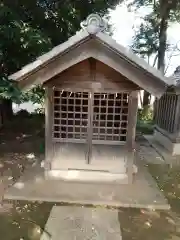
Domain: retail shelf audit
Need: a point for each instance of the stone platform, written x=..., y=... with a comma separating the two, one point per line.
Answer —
x=143, y=193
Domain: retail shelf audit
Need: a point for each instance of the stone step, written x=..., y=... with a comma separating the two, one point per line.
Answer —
x=81, y=223
x=88, y=176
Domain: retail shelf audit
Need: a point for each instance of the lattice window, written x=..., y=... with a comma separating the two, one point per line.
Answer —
x=70, y=115
x=110, y=116
x=108, y=121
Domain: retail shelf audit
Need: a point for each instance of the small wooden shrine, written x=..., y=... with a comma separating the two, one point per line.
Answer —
x=92, y=86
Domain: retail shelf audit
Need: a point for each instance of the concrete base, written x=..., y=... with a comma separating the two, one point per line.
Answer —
x=68, y=223
x=143, y=193
x=87, y=176
x=173, y=148
x=165, y=155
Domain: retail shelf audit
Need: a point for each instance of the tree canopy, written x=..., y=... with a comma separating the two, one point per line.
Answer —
x=28, y=28
x=150, y=39
x=152, y=35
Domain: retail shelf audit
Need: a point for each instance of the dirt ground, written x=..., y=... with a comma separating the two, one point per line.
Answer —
x=22, y=144
x=139, y=224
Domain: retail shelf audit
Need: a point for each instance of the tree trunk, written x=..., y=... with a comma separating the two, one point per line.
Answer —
x=162, y=45
x=147, y=96
x=164, y=16
x=6, y=109
x=146, y=99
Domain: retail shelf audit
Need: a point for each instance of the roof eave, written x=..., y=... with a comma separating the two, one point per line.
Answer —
x=44, y=60
x=163, y=83
x=136, y=60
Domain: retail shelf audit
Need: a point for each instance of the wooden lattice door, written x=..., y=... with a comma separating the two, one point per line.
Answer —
x=90, y=118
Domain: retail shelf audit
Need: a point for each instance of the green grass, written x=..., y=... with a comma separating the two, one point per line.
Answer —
x=21, y=136
x=25, y=221
x=145, y=127
x=140, y=224
x=168, y=180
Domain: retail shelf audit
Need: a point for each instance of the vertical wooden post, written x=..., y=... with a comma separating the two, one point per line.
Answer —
x=156, y=112
x=90, y=128
x=48, y=128
x=131, y=133
x=92, y=78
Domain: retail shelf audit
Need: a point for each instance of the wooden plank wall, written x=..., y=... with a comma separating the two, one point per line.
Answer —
x=167, y=112
x=79, y=76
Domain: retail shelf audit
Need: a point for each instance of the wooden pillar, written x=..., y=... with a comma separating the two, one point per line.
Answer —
x=90, y=128
x=131, y=133
x=92, y=78
x=48, y=128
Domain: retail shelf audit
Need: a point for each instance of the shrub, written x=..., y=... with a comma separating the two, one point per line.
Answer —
x=145, y=114
x=23, y=113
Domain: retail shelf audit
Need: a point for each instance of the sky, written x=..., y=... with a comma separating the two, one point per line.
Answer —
x=124, y=25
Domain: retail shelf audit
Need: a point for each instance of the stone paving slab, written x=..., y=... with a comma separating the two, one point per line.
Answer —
x=164, y=153
x=80, y=223
x=148, y=153
x=143, y=193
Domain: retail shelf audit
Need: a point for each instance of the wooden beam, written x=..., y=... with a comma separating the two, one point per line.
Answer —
x=48, y=128
x=131, y=133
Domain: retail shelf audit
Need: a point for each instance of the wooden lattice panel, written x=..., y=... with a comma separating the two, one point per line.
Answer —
x=70, y=115
x=110, y=116
x=77, y=113
x=166, y=112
